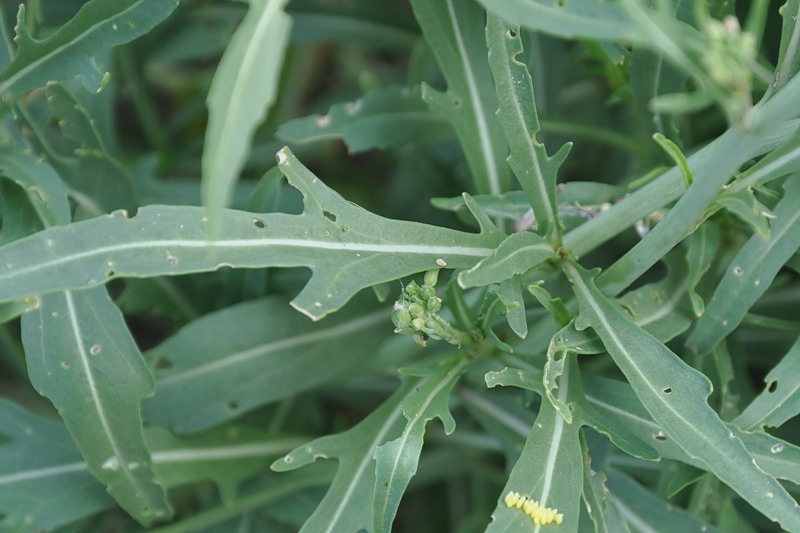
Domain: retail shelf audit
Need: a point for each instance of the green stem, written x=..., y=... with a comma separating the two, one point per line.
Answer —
x=252, y=501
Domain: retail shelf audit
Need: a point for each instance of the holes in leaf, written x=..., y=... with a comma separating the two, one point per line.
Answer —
x=512, y=34
x=667, y=390
x=260, y=223
x=456, y=102
x=330, y=216
x=232, y=405
x=659, y=436
x=772, y=387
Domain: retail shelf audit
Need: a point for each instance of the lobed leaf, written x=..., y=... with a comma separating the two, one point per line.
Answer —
x=349, y=503
x=382, y=118
x=780, y=399
x=41, y=184
x=750, y=273
x=534, y=169
x=454, y=30
x=676, y=396
x=517, y=254
x=397, y=460
x=69, y=52
x=242, y=91
x=346, y=247
x=549, y=470
x=82, y=357
x=87, y=164
x=231, y=361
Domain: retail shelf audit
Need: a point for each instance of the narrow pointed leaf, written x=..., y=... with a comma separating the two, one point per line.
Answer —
x=397, y=460
x=676, y=396
x=703, y=246
x=352, y=252
x=69, y=52
x=517, y=114
x=454, y=30
x=244, y=88
x=549, y=471
x=247, y=355
x=780, y=399
x=599, y=502
x=646, y=512
x=750, y=273
x=348, y=504
x=789, y=53
x=44, y=482
x=510, y=294
x=41, y=184
x=592, y=19
x=384, y=117
x=517, y=254
x=82, y=357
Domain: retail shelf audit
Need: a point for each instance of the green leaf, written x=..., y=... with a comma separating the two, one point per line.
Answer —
x=383, y=117
x=242, y=91
x=227, y=455
x=43, y=479
x=646, y=512
x=778, y=457
x=396, y=460
x=534, y=169
x=82, y=357
x=360, y=22
x=517, y=254
x=346, y=247
x=588, y=19
x=41, y=184
x=45, y=483
x=788, y=54
x=454, y=30
x=750, y=273
x=348, y=504
x=703, y=246
x=69, y=52
x=676, y=396
x=780, y=399
x=549, y=471
x=779, y=162
x=510, y=294
x=679, y=220
x=87, y=165
x=229, y=362
x=746, y=207
x=599, y=502
x=652, y=75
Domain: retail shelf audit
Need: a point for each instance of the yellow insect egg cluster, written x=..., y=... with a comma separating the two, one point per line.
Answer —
x=539, y=515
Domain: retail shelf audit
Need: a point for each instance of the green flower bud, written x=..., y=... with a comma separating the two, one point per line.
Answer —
x=416, y=310
x=418, y=324
x=431, y=277
x=427, y=293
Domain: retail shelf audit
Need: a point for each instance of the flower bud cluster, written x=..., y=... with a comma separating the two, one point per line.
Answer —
x=416, y=313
